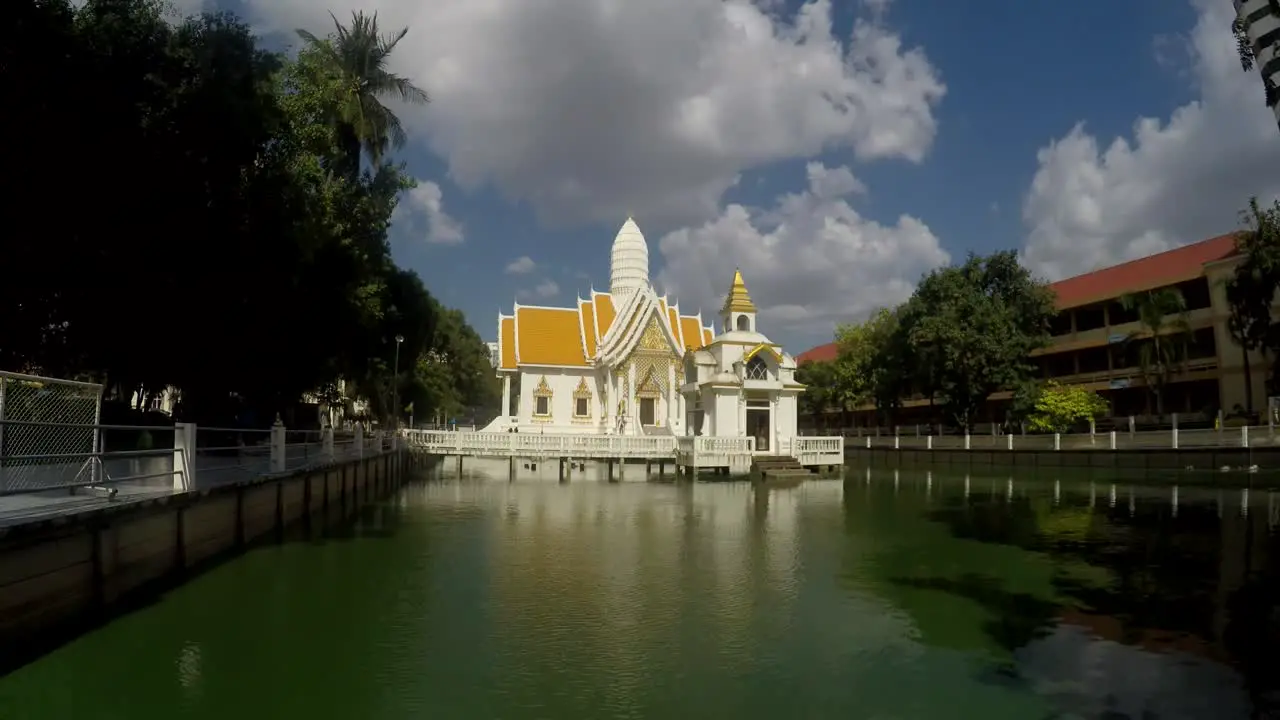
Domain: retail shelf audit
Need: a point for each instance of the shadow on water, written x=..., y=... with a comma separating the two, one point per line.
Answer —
x=373, y=520
x=1188, y=577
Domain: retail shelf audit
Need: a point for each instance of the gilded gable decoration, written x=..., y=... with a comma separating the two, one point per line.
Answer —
x=582, y=391
x=543, y=389
x=653, y=337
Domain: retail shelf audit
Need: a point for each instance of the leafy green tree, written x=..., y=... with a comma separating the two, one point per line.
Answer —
x=1162, y=337
x=351, y=64
x=1061, y=407
x=1251, y=290
x=860, y=367
x=1022, y=402
x=969, y=330
x=820, y=389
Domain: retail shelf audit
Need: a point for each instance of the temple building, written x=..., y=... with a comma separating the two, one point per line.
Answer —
x=628, y=362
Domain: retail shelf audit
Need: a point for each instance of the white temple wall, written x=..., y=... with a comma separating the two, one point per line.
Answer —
x=787, y=418
x=724, y=421
x=562, y=382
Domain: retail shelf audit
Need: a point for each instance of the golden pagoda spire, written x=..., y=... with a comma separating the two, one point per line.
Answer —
x=738, y=299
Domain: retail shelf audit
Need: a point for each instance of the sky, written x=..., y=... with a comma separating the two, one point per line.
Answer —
x=833, y=150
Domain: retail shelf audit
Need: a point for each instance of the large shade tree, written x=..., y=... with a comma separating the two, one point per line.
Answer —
x=967, y=331
x=221, y=254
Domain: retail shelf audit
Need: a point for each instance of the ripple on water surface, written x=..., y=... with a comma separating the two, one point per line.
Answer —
x=886, y=596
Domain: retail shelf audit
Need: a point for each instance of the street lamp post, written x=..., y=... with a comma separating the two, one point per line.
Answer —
x=395, y=387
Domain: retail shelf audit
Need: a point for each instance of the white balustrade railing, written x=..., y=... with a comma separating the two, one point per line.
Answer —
x=538, y=444
x=707, y=450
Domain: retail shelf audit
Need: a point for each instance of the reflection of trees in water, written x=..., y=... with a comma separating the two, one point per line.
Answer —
x=1194, y=583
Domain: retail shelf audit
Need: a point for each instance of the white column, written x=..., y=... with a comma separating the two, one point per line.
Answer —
x=671, y=395
x=775, y=443
x=506, y=395
x=630, y=399
x=610, y=404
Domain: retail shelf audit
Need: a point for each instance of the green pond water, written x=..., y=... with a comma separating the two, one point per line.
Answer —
x=883, y=595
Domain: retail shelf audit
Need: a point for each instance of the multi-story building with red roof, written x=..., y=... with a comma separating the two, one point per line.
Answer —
x=1091, y=333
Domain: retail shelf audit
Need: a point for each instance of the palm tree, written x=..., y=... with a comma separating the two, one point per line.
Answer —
x=355, y=59
x=1162, y=336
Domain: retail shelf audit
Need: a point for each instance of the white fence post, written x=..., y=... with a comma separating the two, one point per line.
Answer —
x=1244, y=436
x=1111, y=440
x=928, y=443
x=1057, y=441
x=1174, y=437
x=184, y=456
x=326, y=440
x=868, y=442
x=966, y=438
x=277, y=446
x=359, y=440
x=1008, y=441
x=895, y=441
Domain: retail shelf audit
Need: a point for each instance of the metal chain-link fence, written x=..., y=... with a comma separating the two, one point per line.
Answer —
x=48, y=432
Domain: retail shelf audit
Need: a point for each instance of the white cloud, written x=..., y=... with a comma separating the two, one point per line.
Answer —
x=544, y=290
x=589, y=109
x=810, y=261
x=521, y=266
x=1174, y=182
x=420, y=214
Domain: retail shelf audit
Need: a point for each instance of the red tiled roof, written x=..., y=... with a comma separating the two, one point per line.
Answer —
x=1153, y=271
x=822, y=353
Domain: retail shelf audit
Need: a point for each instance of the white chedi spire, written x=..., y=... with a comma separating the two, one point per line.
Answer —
x=628, y=262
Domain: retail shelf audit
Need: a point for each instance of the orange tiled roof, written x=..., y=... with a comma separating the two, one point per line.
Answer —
x=571, y=336
x=822, y=353
x=549, y=336
x=690, y=333
x=1153, y=271
x=586, y=315
x=507, y=342
x=605, y=313
x=707, y=336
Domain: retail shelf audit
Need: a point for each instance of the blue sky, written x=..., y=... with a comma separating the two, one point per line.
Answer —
x=955, y=127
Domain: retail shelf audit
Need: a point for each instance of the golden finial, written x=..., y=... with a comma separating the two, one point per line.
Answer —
x=738, y=299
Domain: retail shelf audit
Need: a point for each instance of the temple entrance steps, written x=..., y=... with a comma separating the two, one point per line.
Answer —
x=778, y=467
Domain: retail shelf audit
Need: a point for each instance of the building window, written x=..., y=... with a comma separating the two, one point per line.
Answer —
x=582, y=400
x=744, y=323
x=756, y=369
x=542, y=399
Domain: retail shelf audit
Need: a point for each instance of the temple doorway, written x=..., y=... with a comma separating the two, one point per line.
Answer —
x=648, y=411
x=760, y=426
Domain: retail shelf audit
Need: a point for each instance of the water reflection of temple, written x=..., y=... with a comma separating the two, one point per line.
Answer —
x=636, y=566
